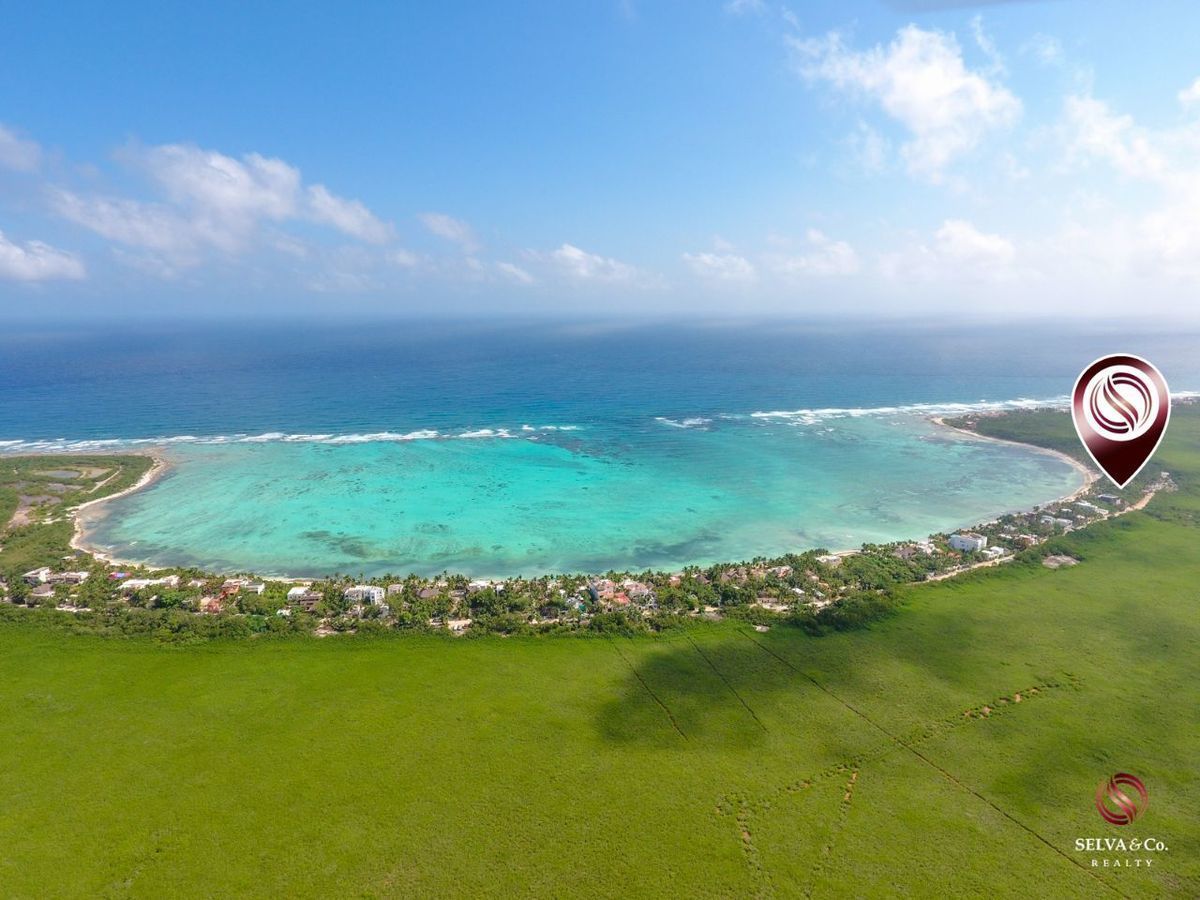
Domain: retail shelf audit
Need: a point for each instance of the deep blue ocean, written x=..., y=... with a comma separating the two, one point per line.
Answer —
x=129, y=381
x=495, y=449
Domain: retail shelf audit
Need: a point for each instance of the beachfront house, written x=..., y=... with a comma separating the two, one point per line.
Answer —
x=365, y=593
x=1056, y=522
x=37, y=576
x=968, y=542
x=137, y=584
x=68, y=578
x=237, y=585
x=304, y=597
x=602, y=589
x=210, y=606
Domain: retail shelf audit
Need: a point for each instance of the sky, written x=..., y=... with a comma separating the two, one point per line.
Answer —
x=880, y=158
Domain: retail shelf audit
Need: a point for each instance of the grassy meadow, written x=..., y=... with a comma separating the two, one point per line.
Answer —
x=950, y=750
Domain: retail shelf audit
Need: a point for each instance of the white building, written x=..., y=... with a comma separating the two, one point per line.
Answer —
x=37, y=576
x=365, y=593
x=968, y=541
x=137, y=584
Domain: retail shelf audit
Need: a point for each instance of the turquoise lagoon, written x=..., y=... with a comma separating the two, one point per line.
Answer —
x=664, y=494
x=305, y=448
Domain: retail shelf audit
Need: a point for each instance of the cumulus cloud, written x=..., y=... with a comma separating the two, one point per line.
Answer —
x=584, y=266
x=347, y=216
x=1046, y=49
x=1190, y=95
x=17, y=153
x=36, y=261
x=1093, y=131
x=208, y=202
x=450, y=229
x=515, y=273
x=743, y=7
x=921, y=81
x=148, y=226
x=823, y=257
x=960, y=241
x=727, y=267
x=958, y=252
x=1159, y=238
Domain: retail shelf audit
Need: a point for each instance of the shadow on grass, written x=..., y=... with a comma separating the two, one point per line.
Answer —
x=682, y=694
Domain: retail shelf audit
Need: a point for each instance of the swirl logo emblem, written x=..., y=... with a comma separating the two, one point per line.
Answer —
x=1121, y=406
x=1118, y=805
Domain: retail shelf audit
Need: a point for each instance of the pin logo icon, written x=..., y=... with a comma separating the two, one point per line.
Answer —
x=1121, y=407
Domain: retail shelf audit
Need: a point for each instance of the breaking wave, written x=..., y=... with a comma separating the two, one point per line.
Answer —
x=57, y=445
x=813, y=416
x=794, y=417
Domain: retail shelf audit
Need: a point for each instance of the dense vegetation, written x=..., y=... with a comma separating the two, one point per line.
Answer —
x=950, y=750
x=42, y=489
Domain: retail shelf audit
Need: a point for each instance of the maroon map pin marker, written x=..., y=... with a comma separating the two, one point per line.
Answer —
x=1121, y=407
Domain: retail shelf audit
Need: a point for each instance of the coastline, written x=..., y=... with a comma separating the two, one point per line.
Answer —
x=1090, y=476
x=81, y=514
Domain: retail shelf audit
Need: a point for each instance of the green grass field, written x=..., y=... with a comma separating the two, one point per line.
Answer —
x=714, y=762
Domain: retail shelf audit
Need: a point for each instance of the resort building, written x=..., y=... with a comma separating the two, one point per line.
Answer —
x=37, y=576
x=1057, y=522
x=304, y=597
x=236, y=585
x=137, y=584
x=968, y=541
x=365, y=593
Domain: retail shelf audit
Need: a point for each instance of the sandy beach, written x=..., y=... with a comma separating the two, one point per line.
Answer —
x=91, y=510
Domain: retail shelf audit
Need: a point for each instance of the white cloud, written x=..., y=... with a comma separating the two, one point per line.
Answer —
x=213, y=184
x=868, y=148
x=1045, y=49
x=1158, y=239
x=348, y=216
x=959, y=252
x=824, y=257
x=728, y=267
x=961, y=242
x=1190, y=95
x=921, y=81
x=405, y=259
x=987, y=46
x=584, y=266
x=18, y=154
x=149, y=226
x=1094, y=131
x=36, y=261
x=450, y=229
x=213, y=203
x=742, y=7
x=515, y=272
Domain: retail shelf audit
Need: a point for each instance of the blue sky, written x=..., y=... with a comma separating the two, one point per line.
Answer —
x=637, y=157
